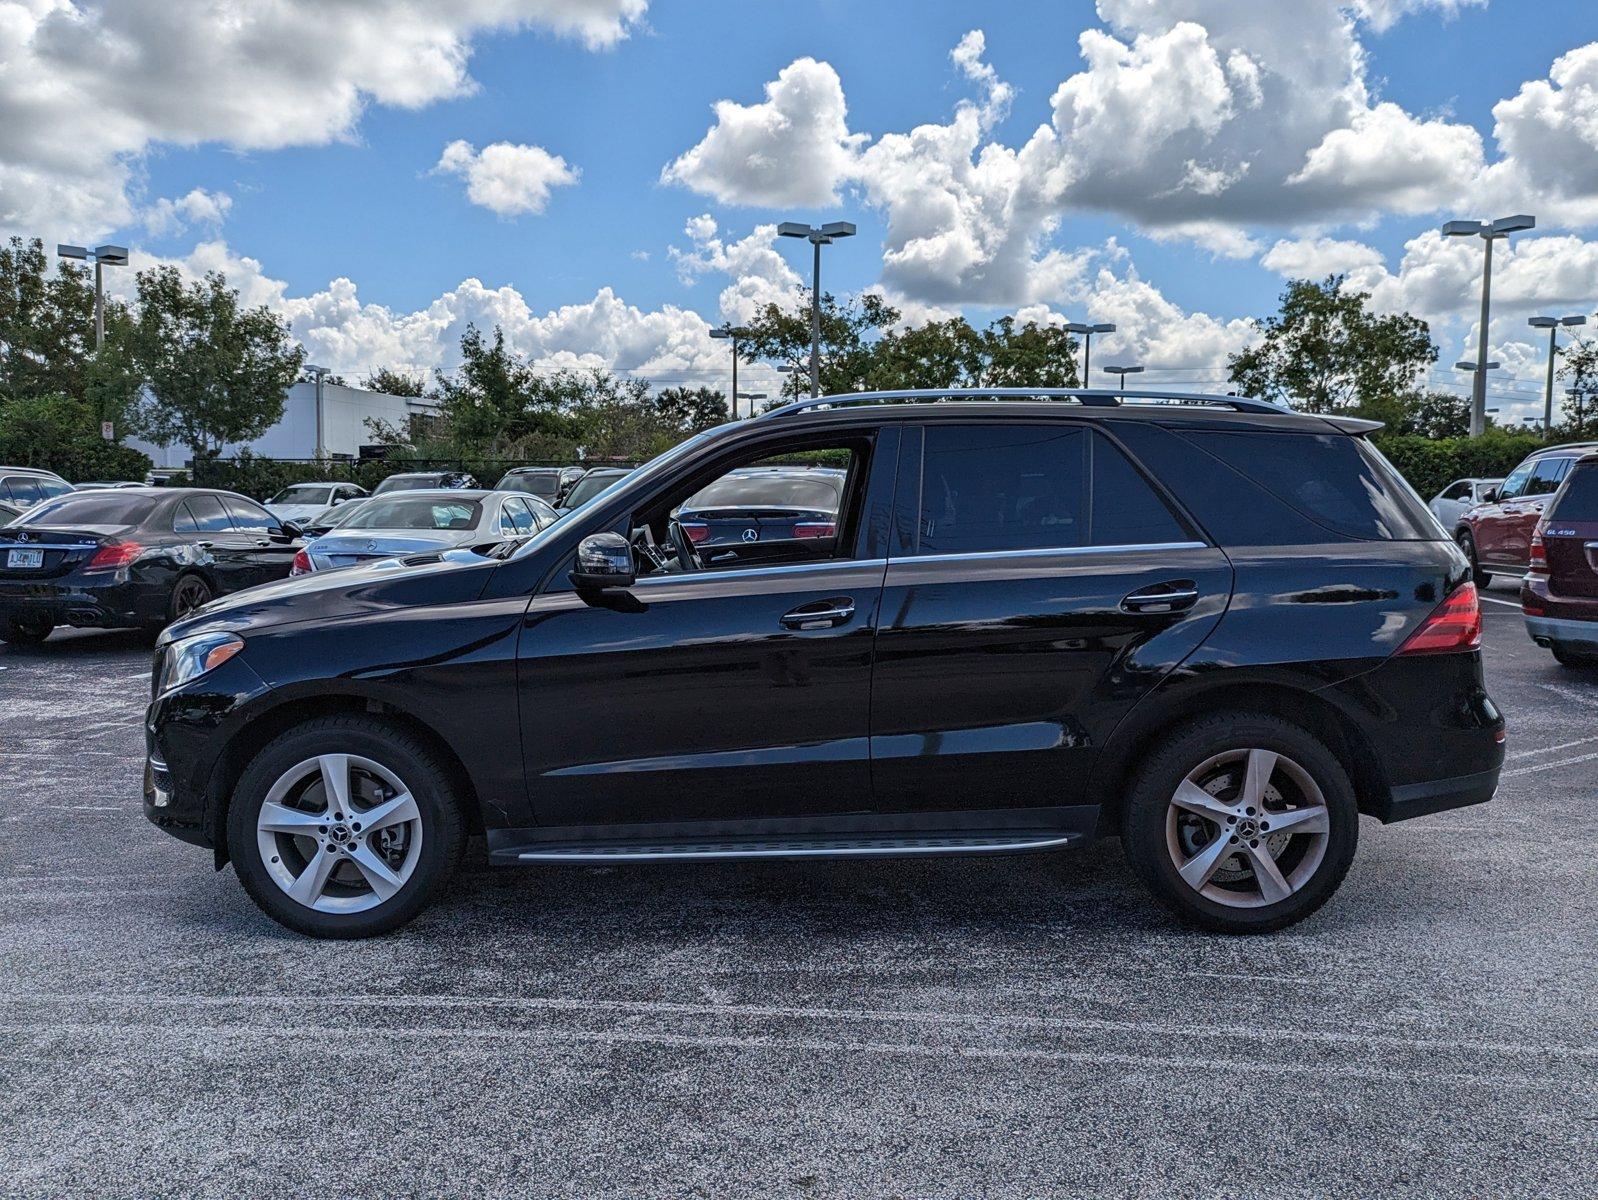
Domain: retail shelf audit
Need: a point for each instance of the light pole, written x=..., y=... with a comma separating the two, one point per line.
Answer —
x=1123, y=372
x=732, y=333
x=1489, y=232
x=318, y=374
x=1478, y=387
x=101, y=257
x=1087, y=332
x=1552, y=324
x=817, y=237
x=751, y=397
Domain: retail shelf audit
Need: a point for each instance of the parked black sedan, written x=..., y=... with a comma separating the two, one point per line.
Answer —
x=133, y=558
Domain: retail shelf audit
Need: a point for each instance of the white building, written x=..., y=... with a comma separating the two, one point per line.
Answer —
x=345, y=411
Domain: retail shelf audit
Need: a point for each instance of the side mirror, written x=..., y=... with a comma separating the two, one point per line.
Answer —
x=293, y=529
x=604, y=561
x=1490, y=496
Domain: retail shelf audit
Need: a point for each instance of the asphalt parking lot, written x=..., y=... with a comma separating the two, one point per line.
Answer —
x=987, y=1027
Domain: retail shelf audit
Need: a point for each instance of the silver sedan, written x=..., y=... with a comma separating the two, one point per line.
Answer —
x=414, y=522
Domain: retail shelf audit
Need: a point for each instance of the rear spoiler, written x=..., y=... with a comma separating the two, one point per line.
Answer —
x=1357, y=426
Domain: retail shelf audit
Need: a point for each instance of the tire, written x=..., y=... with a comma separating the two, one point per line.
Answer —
x=1305, y=786
x=26, y=631
x=188, y=593
x=1576, y=660
x=1467, y=544
x=419, y=848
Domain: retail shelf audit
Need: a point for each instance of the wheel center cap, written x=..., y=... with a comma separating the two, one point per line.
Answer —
x=1248, y=827
x=340, y=833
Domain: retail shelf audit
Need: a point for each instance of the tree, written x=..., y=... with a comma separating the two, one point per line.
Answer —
x=946, y=354
x=1437, y=415
x=394, y=383
x=1580, y=405
x=847, y=330
x=214, y=372
x=1328, y=352
x=46, y=323
x=691, y=409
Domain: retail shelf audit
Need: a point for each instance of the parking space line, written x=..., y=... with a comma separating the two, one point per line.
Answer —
x=1515, y=604
x=1570, y=694
x=1563, y=762
x=1550, y=749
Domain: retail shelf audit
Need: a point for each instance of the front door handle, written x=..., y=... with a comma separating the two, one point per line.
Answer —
x=1175, y=595
x=820, y=614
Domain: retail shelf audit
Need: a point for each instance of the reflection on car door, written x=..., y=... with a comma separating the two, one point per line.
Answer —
x=270, y=549
x=1038, y=589
x=710, y=695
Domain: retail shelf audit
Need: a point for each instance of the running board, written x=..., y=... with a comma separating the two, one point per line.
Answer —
x=1008, y=842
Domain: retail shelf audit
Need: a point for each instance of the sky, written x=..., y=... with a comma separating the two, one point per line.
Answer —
x=603, y=178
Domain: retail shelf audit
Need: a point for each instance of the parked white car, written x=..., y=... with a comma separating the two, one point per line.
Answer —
x=1458, y=498
x=300, y=501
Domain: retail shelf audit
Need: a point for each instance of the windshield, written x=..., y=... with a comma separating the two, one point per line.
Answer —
x=586, y=488
x=113, y=509
x=810, y=492
x=303, y=495
x=543, y=484
x=415, y=512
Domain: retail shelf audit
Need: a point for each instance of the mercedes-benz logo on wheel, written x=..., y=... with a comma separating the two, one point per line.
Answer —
x=751, y=535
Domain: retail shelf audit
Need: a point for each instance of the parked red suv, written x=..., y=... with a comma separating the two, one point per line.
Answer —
x=1496, y=535
x=1560, y=593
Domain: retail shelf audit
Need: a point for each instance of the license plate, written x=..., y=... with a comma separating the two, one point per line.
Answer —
x=25, y=558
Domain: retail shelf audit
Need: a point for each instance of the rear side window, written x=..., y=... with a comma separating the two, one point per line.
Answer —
x=204, y=515
x=1547, y=475
x=987, y=488
x=1579, y=500
x=1338, y=482
x=1125, y=510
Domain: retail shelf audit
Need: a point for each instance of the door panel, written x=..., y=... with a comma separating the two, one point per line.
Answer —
x=999, y=677
x=701, y=696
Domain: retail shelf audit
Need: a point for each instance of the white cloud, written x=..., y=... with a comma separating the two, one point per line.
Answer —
x=1316, y=258
x=760, y=276
x=967, y=57
x=792, y=149
x=1380, y=15
x=506, y=178
x=1391, y=160
x=86, y=88
x=198, y=207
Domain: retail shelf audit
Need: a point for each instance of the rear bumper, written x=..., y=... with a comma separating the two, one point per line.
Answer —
x=1422, y=799
x=113, y=605
x=1545, y=631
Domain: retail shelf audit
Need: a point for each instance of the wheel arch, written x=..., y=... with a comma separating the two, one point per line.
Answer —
x=1303, y=706
x=267, y=725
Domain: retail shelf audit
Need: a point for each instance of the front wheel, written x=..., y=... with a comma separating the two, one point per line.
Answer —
x=344, y=827
x=26, y=631
x=1241, y=823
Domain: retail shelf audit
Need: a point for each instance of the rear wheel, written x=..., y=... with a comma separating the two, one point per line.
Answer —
x=1241, y=823
x=188, y=594
x=26, y=631
x=344, y=827
x=1467, y=545
x=1576, y=660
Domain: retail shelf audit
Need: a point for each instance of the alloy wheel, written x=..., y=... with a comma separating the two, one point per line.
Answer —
x=339, y=833
x=191, y=593
x=1247, y=828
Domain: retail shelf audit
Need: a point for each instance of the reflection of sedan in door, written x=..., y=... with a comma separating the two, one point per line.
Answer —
x=419, y=522
x=133, y=557
x=764, y=513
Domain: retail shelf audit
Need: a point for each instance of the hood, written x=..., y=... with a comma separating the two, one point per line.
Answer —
x=294, y=512
x=447, y=577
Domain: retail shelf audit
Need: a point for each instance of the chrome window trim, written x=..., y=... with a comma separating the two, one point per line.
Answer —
x=825, y=564
x=1052, y=552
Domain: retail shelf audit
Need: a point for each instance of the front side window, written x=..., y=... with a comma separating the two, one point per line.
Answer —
x=250, y=516
x=1515, y=485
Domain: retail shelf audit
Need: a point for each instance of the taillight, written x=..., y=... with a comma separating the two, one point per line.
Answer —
x=1454, y=625
x=302, y=563
x=815, y=529
x=1538, y=564
x=695, y=531
x=114, y=555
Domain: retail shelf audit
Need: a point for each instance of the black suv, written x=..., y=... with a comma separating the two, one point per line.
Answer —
x=1217, y=628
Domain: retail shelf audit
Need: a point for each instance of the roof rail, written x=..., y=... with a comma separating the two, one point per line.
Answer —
x=1090, y=397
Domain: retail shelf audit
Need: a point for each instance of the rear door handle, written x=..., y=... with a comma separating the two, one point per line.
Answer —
x=820, y=614
x=1176, y=595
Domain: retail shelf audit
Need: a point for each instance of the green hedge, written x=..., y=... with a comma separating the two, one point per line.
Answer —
x=1432, y=464
x=84, y=459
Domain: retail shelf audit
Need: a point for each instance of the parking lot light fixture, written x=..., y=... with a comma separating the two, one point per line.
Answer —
x=732, y=333
x=318, y=374
x=1123, y=372
x=1552, y=324
x=1086, y=332
x=817, y=237
x=101, y=257
x=751, y=397
x=1489, y=232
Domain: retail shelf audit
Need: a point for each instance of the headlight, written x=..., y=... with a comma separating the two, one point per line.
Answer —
x=190, y=657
